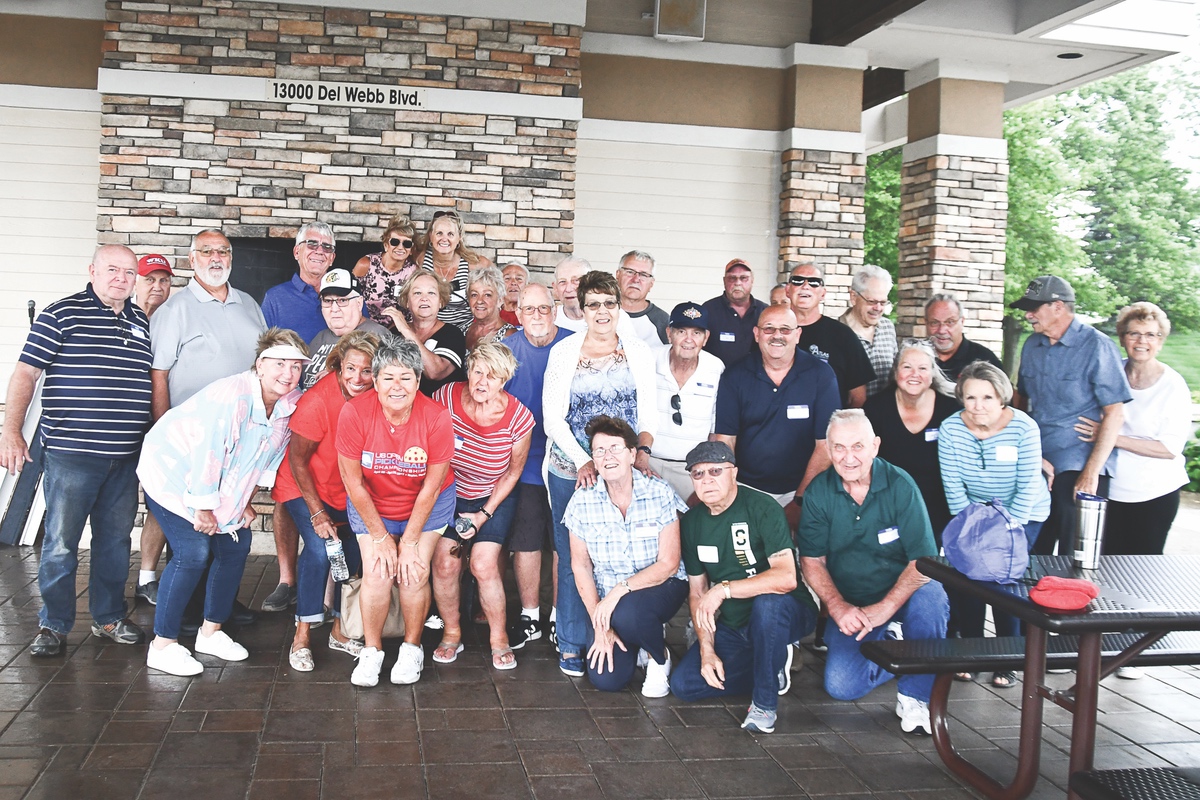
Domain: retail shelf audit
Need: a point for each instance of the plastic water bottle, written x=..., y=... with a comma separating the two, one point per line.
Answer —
x=462, y=525
x=337, y=559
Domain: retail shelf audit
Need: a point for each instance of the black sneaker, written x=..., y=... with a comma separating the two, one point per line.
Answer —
x=122, y=632
x=280, y=599
x=147, y=592
x=47, y=643
x=527, y=630
x=552, y=633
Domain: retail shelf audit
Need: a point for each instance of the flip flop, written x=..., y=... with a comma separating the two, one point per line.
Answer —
x=1004, y=680
x=500, y=662
x=301, y=660
x=454, y=648
x=965, y=677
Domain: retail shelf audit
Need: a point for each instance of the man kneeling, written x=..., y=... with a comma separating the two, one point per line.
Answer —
x=862, y=530
x=741, y=563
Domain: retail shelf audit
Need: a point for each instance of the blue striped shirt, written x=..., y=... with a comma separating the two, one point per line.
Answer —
x=1007, y=466
x=96, y=398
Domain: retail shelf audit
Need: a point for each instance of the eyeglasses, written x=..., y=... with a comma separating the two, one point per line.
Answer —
x=637, y=273
x=873, y=303
x=440, y=214
x=712, y=472
x=595, y=305
x=771, y=330
x=531, y=310
x=209, y=252
x=934, y=324
x=801, y=280
x=612, y=449
x=340, y=302
x=394, y=242
x=314, y=245
x=1138, y=336
x=677, y=404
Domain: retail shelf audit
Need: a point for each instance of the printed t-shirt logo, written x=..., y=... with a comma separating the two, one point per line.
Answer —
x=741, y=546
x=818, y=352
x=412, y=464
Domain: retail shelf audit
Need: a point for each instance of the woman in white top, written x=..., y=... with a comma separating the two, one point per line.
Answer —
x=1143, y=495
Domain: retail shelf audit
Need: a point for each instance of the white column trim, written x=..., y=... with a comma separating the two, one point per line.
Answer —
x=712, y=136
x=943, y=144
x=233, y=87
x=51, y=98
x=814, y=139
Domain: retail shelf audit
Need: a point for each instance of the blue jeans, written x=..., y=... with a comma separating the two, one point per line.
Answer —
x=849, y=676
x=78, y=487
x=496, y=529
x=312, y=568
x=571, y=623
x=752, y=655
x=190, y=552
x=638, y=620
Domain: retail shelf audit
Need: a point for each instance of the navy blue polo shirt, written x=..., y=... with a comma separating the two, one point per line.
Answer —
x=730, y=337
x=777, y=427
x=96, y=397
x=294, y=305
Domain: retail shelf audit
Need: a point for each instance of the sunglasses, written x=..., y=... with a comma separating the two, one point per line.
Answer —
x=394, y=242
x=712, y=472
x=771, y=330
x=801, y=280
x=313, y=244
x=676, y=403
x=440, y=214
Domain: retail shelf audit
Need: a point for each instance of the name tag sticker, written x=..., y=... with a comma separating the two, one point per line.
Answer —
x=797, y=412
x=645, y=532
x=726, y=336
x=459, y=442
x=1006, y=453
x=707, y=553
x=931, y=434
x=888, y=535
x=137, y=332
x=368, y=460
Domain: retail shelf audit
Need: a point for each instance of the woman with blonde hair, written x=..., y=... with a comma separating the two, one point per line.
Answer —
x=443, y=346
x=382, y=274
x=445, y=253
x=486, y=293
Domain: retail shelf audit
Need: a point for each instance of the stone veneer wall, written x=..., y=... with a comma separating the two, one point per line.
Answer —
x=171, y=166
x=953, y=216
x=822, y=217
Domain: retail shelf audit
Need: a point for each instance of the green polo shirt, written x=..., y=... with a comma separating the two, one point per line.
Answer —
x=736, y=544
x=867, y=546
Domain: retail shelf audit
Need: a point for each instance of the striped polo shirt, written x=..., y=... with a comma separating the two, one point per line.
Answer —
x=96, y=398
x=482, y=455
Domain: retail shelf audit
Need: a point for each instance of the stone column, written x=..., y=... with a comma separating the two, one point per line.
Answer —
x=954, y=199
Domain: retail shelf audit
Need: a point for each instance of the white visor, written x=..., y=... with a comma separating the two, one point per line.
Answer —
x=285, y=351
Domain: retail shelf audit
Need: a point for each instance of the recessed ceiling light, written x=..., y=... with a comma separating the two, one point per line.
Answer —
x=1070, y=56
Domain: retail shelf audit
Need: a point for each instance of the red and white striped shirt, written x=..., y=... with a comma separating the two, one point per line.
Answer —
x=482, y=454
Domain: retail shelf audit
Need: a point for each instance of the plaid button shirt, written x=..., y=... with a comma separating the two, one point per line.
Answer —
x=882, y=352
x=621, y=546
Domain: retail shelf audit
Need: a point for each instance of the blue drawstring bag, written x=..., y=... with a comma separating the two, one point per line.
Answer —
x=985, y=543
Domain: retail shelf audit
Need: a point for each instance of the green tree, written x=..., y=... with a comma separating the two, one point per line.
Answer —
x=882, y=201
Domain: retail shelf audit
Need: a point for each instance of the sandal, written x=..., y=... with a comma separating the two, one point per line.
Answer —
x=447, y=652
x=503, y=658
x=1004, y=680
x=965, y=677
x=301, y=660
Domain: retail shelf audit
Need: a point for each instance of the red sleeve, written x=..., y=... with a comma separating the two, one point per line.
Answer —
x=311, y=417
x=350, y=433
x=441, y=435
x=523, y=421
x=442, y=396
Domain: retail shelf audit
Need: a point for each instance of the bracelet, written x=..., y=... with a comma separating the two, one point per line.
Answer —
x=413, y=545
x=485, y=512
x=380, y=539
x=313, y=517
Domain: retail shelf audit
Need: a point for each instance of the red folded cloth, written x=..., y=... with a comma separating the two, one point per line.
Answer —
x=1063, y=594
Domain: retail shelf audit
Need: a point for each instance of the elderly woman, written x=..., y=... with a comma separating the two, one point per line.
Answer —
x=199, y=467
x=625, y=554
x=492, y=433
x=310, y=487
x=516, y=278
x=447, y=255
x=591, y=373
x=394, y=447
x=906, y=420
x=382, y=274
x=485, y=293
x=1143, y=496
x=992, y=450
x=441, y=344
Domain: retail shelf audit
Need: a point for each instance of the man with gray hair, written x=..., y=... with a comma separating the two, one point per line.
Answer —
x=635, y=276
x=944, y=327
x=866, y=317
x=863, y=529
x=826, y=338
x=296, y=303
x=566, y=281
x=516, y=278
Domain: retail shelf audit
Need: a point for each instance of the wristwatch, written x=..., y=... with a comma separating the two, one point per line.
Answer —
x=798, y=499
x=728, y=591
x=643, y=449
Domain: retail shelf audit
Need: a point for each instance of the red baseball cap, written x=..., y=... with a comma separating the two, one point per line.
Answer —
x=737, y=262
x=153, y=263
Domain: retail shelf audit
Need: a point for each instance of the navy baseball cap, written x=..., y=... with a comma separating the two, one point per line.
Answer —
x=689, y=315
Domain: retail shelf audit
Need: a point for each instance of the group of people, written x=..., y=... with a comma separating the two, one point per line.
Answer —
x=764, y=462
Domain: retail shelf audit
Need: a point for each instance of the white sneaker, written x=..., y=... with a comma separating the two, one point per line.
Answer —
x=366, y=671
x=174, y=659
x=658, y=678
x=913, y=714
x=785, y=674
x=1130, y=673
x=221, y=646
x=409, y=663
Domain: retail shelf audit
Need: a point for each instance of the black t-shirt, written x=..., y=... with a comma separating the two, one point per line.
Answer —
x=834, y=342
x=449, y=343
x=915, y=453
x=968, y=353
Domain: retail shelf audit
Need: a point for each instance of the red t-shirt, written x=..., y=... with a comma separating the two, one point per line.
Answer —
x=482, y=454
x=395, y=459
x=316, y=419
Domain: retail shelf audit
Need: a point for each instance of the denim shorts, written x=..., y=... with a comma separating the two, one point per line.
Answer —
x=441, y=516
x=494, y=530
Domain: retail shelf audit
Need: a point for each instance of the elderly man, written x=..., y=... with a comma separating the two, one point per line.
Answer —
x=1069, y=371
x=342, y=309
x=741, y=565
x=944, y=326
x=779, y=295
x=566, y=282
x=532, y=528
x=864, y=527
x=206, y=331
x=732, y=315
x=94, y=349
x=772, y=409
x=687, y=394
x=868, y=303
x=635, y=276
x=516, y=277
x=153, y=283
x=295, y=304
x=826, y=338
